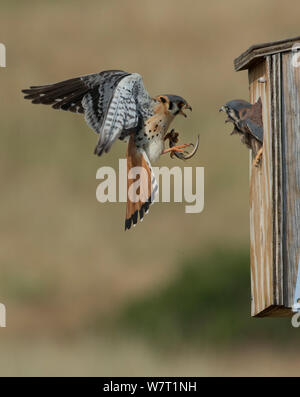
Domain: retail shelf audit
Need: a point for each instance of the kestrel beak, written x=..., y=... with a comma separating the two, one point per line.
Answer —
x=228, y=120
x=186, y=106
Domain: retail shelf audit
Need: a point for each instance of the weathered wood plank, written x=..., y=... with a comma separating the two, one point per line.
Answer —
x=274, y=67
x=291, y=172
x=261, y=228
x=266, y=196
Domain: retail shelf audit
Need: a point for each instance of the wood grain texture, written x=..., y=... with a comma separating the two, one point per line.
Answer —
x=261, y=227
x=275, y=188
x=291, y=173
x=275, y=73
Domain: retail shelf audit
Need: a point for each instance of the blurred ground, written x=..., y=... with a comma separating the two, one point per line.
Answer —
x=65, y=259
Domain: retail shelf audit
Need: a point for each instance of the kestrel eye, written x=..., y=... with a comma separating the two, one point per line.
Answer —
x=163, y=99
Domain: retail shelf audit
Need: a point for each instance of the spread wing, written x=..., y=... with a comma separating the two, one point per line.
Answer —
x=112, y=101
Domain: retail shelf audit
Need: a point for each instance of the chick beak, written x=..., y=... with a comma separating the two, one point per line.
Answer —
x=185, y=107
x=228, y=120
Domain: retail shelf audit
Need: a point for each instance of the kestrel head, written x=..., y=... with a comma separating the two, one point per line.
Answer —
x=174, y=104
x=236, y=110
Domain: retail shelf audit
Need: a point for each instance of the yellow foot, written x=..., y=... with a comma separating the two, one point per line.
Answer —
x=258, y=158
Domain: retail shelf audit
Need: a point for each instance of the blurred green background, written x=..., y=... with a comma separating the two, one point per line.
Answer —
x=172, y=296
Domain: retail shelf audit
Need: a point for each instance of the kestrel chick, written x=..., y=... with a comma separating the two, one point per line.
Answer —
x=247, y=121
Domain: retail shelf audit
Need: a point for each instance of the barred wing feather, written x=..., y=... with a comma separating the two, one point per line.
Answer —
x=125, y=109
x=95, y=89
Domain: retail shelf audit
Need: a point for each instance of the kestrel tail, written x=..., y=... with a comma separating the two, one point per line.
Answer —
x=116, y=105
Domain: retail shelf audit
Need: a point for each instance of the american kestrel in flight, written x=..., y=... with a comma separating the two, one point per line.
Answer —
x=116, y=105
x=247, y=121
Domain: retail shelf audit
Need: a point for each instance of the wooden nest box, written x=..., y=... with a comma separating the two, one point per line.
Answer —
x=274, y=76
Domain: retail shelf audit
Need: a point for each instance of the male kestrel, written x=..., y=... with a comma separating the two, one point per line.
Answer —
x=116, y=105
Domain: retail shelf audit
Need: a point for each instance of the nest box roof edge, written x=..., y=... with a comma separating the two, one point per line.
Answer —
x=258, y=51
